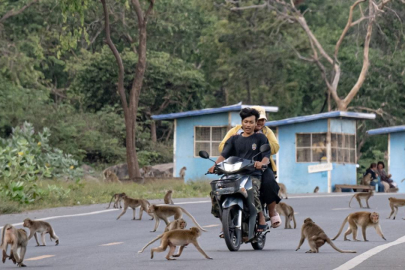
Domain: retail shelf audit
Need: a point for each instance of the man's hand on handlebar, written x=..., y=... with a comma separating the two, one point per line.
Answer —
x=259, y=165
x=211, y=170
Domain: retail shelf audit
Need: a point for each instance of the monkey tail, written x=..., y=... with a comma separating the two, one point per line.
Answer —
x=53, y=235
x=337, y=249
x=351, y=200
x=151, y=242
x=3, y=232
x=110, y=201
x=193, y=219
x=295, y=223
x=341, y=228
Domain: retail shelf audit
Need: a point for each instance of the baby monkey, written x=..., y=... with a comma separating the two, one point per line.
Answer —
x=180, y=238
x=42, y=227
x=364, y=220
x=362, y=195
x=316, y=238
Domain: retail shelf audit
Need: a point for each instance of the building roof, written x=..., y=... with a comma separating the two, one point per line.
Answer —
x=313, y=117
x=231, y=108
x=386, y=130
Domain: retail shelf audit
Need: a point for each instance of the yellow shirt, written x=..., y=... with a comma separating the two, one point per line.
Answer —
x=266, y=131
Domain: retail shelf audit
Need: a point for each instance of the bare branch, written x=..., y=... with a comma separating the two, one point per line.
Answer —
x=117, y=56
x=250, y=7
x=12, y=13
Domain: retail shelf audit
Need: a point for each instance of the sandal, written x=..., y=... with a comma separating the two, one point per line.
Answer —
x=275, y=221
x=262, y=228
x=221, y=235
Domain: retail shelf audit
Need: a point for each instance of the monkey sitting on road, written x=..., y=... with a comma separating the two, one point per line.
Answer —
x=165, y=211
x=316, y=238
x=287, y=211
x=364, y=220
x=362, y=195
x=178, y=224
x=179, y=238
x=18, y=240
x=283, y=191
x=134, y=203
x=42, y=227
x=117, y=200
x=395, y=203
x=168, y=197
x=316, y=189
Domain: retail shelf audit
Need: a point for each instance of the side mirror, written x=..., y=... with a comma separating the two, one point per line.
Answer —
x=264, y=148
x=204, y=154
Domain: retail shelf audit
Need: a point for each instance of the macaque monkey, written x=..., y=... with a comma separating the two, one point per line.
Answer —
x=117, y=200
x=110, y=176
x=316, y=238
x=287, y=211
x=165, y=211
x=179, y=238
x=183, y=172
x=362, y=195
x=395, y=203
x=316, y=189
x=18, y=240
x=366, y=179
x=178, y=224
x=283, y=190
x=364, y=220
x=168, y=197
x=42, y=227
x=134, y=203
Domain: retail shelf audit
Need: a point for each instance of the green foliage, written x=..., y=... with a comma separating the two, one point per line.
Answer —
x=25, y=157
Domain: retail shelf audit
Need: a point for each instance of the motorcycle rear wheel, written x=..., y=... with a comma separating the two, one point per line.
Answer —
x=232, y=235
x=261, y=241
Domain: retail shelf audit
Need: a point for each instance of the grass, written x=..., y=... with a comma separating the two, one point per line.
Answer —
x=85, y=193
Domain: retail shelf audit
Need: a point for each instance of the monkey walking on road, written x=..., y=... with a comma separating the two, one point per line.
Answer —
x=287, y=211
x=134, y=203
x=316, y=238
x=362, y=195
x=395, y=203
x=117, y=200
x=41, y=227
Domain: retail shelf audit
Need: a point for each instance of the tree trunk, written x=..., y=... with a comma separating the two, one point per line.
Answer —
x=153, y=131
x=249, y=96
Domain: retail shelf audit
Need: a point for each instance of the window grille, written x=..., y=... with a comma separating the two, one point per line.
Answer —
x=311, y=147
x=208, y=139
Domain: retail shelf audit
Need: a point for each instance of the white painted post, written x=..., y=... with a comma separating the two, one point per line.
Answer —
x=278, y=158
x=174, y=148
x=329, y=155
x=389, y=159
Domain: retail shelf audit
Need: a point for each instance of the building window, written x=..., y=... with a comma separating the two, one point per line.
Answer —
x=343, y=148
x=311, y=147
x=208, y=139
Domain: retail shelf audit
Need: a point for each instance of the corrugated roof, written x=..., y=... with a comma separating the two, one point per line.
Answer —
x=386, y=130
x=231, y=108
x=313, y=117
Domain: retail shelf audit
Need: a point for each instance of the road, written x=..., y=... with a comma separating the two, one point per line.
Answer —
x=92, y=238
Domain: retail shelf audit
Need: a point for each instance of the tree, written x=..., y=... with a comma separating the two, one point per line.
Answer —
x=288, y=11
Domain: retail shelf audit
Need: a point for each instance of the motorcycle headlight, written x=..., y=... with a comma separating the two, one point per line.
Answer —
x=232, y=167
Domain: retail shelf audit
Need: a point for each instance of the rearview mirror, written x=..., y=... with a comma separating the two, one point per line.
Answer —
x=264, y=148
x=204, y=154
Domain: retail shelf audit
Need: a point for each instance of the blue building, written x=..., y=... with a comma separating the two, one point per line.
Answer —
x=396, y=152
x=201, y=130
x=317, y=150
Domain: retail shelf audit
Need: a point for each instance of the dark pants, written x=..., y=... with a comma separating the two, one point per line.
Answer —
x=269, y=188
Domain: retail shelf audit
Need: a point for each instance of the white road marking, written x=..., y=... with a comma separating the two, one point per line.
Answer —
x=213, y=225
x=340, y=208
x=362, y=257
x=39, y=258
x=193, y=202
x=111, y=244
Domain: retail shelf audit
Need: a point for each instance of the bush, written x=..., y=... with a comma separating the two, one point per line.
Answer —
x=25, y=157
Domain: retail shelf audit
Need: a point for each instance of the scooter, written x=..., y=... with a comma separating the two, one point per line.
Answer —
x=234, y=195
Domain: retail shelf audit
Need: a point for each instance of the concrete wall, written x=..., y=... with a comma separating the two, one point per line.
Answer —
x=295, y=175
x=397, y=158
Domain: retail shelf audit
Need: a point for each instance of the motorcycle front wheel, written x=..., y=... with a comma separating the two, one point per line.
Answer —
x=232, y=234
x=259, y=244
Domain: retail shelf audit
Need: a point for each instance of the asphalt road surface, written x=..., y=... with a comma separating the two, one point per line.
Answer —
x=92, y=238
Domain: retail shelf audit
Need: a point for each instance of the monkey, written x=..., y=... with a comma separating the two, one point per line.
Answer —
x=183, y=172
x=363, y=219
x=287, y=211
x=362, y=195
x=165, y=211
x=42, y=227
x=168, y=197
x=117, y=200
x=316, y=238
x=17, y=238
x=366, y=179
x=282, y=191
x=179, y=238
x=110, y=176
x=395, y=203
x=316, y=189
x=178, y=224
x=134, y=203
